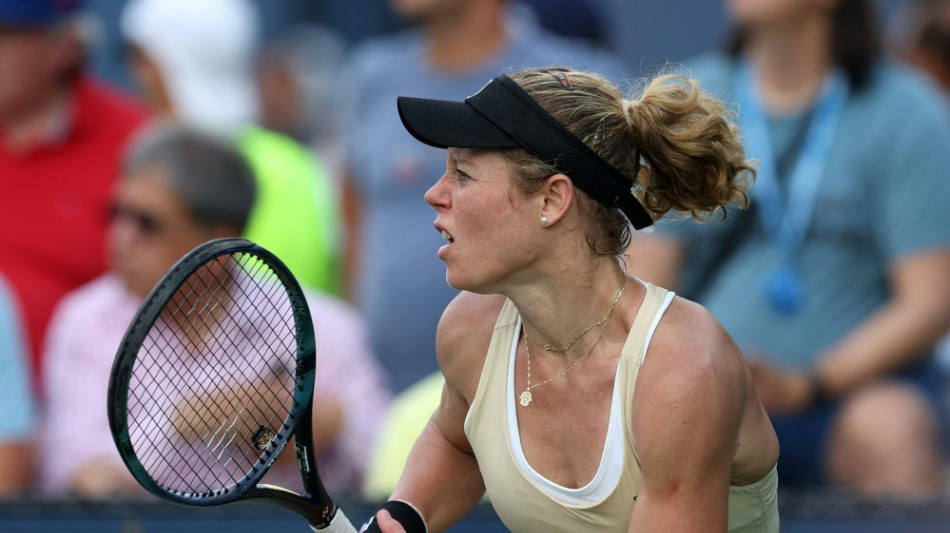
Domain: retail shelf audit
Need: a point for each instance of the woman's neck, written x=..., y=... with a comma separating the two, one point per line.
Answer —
x=555, y=310
x=791, y=60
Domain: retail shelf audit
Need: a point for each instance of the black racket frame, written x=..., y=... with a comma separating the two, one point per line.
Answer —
x=315, y=503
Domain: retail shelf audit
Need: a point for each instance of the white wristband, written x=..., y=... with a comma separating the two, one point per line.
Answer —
x=339, y=524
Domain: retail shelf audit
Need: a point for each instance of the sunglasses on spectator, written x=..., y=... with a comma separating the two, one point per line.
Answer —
x=145, y=223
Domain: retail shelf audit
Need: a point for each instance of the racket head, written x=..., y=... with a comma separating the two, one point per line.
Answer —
x=214, y=376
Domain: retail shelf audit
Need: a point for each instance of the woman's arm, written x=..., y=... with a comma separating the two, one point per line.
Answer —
x=441, y=478
x=690, y=399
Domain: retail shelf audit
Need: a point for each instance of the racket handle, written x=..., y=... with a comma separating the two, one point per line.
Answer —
x=339, y=524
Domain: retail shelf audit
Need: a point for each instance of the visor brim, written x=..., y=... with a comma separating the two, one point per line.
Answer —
x=445, y=124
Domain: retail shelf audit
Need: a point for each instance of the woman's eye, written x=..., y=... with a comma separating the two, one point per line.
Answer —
x=462, y=176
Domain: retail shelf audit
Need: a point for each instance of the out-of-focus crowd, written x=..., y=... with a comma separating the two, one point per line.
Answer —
x=835, y=282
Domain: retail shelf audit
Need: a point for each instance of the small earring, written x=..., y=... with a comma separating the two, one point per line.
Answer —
x=544, y=221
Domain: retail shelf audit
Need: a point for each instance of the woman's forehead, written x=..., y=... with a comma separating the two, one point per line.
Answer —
x=475, y=156
x=462, y=154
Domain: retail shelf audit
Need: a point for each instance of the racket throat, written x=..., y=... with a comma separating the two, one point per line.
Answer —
x=319, y=515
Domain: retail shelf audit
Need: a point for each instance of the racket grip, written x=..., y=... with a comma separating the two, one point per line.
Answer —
x=339, y=524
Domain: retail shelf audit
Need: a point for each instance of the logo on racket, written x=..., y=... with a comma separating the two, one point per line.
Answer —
x=262, y=437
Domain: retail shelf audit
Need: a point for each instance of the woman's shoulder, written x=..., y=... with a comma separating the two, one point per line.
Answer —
x=464, y=334
x=468, y=320
x=690, y=345
x=693, y=381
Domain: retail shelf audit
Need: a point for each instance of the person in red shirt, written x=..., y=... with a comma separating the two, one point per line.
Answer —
x=61, y=134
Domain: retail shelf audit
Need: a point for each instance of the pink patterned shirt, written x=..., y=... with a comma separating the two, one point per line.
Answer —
x=85, y=334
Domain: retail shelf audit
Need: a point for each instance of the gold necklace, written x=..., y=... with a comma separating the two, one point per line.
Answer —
x=600, y=322
x=525, y=398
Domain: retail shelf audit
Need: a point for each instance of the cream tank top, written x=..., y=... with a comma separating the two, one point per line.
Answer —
x=526, y=501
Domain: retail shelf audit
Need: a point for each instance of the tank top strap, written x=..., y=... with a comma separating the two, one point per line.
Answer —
x=492, y=381
x=651, y=310
x=644, y=323
x=508, y=315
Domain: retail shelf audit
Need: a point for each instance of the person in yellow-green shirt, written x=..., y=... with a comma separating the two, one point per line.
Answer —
x=209, y=84
x=295, y=215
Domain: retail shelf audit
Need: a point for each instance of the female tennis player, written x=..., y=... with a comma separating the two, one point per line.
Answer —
x=579, y=397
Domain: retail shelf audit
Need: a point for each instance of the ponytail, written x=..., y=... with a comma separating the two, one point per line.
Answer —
x=695, y=160
x=675, y=144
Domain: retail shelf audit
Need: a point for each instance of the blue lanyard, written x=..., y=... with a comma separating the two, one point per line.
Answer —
x=786, y=221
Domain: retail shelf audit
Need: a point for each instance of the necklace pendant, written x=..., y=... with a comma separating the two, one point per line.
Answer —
x=525, y=398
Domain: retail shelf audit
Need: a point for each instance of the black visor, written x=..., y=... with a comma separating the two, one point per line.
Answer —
x=503, y=115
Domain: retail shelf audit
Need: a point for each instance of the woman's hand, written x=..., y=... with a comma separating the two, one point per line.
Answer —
x=387, y=524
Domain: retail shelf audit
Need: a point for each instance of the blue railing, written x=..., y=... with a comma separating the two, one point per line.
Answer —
x=801, y=513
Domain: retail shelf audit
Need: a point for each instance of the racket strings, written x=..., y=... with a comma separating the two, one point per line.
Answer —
x=157, y=453
x=214, y=377
x=221, y=437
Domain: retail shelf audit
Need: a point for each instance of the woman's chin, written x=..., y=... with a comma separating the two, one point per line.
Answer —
x=467, y=284
x=457, y=280
x=453, y=281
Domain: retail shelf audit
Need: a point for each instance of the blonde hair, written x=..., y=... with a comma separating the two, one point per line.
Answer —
x=692, y=159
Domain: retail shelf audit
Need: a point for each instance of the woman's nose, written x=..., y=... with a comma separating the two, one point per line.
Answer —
x=436, y=196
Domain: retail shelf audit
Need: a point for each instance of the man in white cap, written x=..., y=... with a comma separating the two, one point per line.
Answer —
x=196, y=65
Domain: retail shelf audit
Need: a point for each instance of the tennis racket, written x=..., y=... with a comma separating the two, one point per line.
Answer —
x=214, y=378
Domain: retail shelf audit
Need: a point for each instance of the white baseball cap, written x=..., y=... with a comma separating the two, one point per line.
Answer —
x=205, y=50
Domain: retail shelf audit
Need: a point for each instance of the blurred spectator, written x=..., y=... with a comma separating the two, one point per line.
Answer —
x=298, y=75
x=196, y=65
x=17, y=418
x=919, y=32
x=455, y=48
x=835, y=281
x=179, y=189
x=574, y=19
x=60, y=134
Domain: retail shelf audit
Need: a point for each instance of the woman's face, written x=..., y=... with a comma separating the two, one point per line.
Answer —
x=485, y=219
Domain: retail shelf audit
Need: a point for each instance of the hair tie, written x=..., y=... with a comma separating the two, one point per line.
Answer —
x=628, y=107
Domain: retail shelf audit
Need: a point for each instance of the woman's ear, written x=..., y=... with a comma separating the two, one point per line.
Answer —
x=557, y=196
